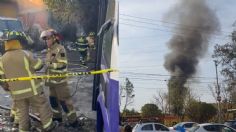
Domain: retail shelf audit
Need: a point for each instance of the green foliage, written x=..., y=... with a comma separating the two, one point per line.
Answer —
x=128, y=90
x=200, y=111
x=76, y=13
x=131, y=112
x=226, y=57
x=129, y=87
x=150, y=110
x=177, y=95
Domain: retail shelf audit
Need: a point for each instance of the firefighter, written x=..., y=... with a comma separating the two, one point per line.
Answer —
x=91, y=44
x=56, y=61
x=14, y=115
x=20, y=63
x=83, y=49
x=91, y=40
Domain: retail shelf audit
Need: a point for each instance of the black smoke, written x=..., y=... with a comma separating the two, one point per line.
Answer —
x=195, y=24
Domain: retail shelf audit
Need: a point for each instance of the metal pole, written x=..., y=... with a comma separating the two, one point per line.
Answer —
x=218, y=93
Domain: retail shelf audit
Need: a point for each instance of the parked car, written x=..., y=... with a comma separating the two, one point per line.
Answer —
x=150, y=127
x=211, y=127
x=184, y=125
x=231, y=123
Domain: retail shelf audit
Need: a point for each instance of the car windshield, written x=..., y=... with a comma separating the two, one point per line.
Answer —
x=11, y=25
x=14, y=25
x=194, y=128
x=2, y=25
x=136, y=126
x=176, y=125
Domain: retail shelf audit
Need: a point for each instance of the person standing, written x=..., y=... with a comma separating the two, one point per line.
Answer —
x=59, y=93
x=83, y=47
x=17, y=63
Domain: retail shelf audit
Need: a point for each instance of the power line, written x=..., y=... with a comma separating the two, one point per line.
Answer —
x=152, y=74
x=156, y=79
x=154, y=24
x=150, y=66
x=179, y=34
x=173, y=23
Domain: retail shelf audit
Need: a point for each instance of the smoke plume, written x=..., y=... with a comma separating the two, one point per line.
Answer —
x=196, y=23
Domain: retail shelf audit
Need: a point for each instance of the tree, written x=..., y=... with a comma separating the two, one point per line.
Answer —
x=200, y=111
x=67, y=16
x=226, y=56
x=150, y=110
x=131, y=112
x=162, y=101
x=127, y=91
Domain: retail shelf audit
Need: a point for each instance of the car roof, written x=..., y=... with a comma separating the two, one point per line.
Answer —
x=231, y=121
x=8, y=18
x=206, y=124
x=149, y=123
x=182, y=123
x=188, y=122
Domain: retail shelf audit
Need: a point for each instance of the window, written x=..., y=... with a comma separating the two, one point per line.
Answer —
x=194, y=128
x=188, y=125
x=2, y=25
x=210, y=128
x=161, y=127
x=147, y=127
x=14, y=25
x=218, y=128
x=225, y=129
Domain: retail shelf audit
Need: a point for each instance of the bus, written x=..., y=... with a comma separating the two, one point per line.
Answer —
x=106, y=86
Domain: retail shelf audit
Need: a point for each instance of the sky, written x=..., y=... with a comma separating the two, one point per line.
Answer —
x=143, y=38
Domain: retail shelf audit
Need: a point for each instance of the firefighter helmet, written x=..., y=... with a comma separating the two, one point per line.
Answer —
x=91, y=34
x=14, y=35
x=48, y=33
x=81, y=39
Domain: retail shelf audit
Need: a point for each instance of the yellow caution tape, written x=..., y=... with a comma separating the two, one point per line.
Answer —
x=70, y=74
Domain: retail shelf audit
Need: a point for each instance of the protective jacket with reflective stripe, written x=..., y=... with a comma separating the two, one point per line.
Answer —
x=56, y=61
x=82, y=46
x=20, y=63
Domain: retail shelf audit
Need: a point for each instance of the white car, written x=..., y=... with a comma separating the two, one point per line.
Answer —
x=211, y=127
x=185, y=125
x=150, y=127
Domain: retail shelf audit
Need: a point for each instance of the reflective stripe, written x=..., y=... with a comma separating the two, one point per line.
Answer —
x=23, y=131
x=48, y=124
x=38, y=64
x=58, y=50
x=16, y=92
x=11, y=33
x=82, y=49
x=1, y=72
x=13, y=112
x=81, y=44
x=54, y=65
x=55, y=111
x=62, y=61
x=59, y=71
x=72, y=112
x=56, y=82
x=26, y=62
x=1, y=66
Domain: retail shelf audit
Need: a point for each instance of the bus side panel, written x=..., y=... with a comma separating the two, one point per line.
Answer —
x=114, y=108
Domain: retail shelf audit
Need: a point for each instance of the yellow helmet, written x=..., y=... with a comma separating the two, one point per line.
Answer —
x=15, y=35
x=91, y=34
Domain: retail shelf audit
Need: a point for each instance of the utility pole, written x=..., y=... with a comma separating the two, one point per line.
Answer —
x=218, y=93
